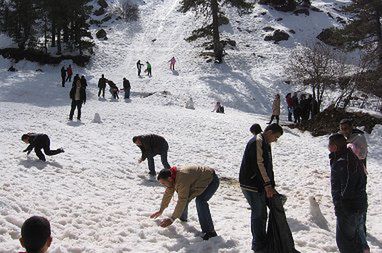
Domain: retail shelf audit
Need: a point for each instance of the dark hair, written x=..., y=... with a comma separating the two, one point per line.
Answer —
x=275, y=128
x=135, y=138
x=347, y=122
x=338, y=140
x=255, y=129
x=164, y=174
x=24, y=137
x=35, y=232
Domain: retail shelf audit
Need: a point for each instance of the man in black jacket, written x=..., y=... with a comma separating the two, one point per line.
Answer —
x=78, y=96
x=102, y=86
x=152, y=145
x=257, y=181
x=348, y=182
x=38, y=142
x=126, y=88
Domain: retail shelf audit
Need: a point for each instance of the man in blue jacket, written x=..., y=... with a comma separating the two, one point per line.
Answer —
x=257, y=181
x=348, y=183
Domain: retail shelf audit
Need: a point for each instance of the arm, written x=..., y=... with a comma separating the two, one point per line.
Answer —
x=144, y=156
x=183, y=194
x=335, y=181
x=260, y=163
x=166, y=198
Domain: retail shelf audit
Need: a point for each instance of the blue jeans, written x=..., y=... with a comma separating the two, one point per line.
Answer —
x=257, y=201
x=202, y=207
x=362, y=232
x=127, y=93
x=348, y=231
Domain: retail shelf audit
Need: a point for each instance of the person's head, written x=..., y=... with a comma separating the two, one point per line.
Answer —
x=137, y=140
x=302, y=96
x=346, y=127
x=25, y=138
x=273, y=132
x=36, y=235
x=164, y=177
x=218, y=103
x=288, y=95
x=82, y=77
x=255, y=129
x=337, y=143
x=124, y=78
x=277, y=96
x=102, y=76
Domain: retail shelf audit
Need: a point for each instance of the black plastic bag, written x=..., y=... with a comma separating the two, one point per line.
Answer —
x=279, y=236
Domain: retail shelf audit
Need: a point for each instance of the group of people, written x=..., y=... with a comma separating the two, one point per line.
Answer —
x=348, y=152
x=114, y=90
x=302, y=109
x=66, y=74
x=148, y=69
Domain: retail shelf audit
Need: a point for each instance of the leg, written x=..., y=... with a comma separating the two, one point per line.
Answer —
x=258, y=218
x=150, y=161
x=47, y=149
x=39, y=154
x=99, y=92
x=277, y=119
x=103, y=92
x=79, y=105
x=273, y=116
x=362, y=232
x=347, y=234
x=73, y=107
x=163, y=158
x=203, y=208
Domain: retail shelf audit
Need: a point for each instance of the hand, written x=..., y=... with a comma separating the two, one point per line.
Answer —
x=269, y=191
x=156, y=215
x=166, y=222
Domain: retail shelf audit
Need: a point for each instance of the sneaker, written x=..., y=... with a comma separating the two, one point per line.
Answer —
x=209, y=235
x=61, y=150
x=152, y=174
x=183, y=220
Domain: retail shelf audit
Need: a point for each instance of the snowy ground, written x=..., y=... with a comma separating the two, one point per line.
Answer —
x=98, y=198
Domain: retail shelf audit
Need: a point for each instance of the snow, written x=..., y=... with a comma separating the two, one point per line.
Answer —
x=98, y=198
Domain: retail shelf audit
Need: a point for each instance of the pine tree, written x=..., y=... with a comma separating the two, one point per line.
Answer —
x=365, y=28
x=212, y=8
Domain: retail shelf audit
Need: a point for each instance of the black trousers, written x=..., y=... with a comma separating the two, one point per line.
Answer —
x=69, y=78
x=78, y=104
x=63, y=80
x=277, y=119
x=46, y=147
x=103, y=92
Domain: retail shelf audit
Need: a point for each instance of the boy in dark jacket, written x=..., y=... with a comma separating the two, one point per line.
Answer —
x=256, y=180
x=102, y=86
x=63, y=75
x=348, y=183
x=152, y=145
x=78, y=96
x=38, y=142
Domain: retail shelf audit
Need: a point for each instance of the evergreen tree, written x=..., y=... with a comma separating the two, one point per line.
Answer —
x=212, y=8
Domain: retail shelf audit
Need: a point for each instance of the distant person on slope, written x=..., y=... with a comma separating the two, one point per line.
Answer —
x=296, y=108
x=69, y=73
x=83, y=81
x=148, y=69
x=38, y=142
x=113, y=89
x=199, y=182
x=36, y=235
x=126, y=88
x=152, y=145
x=78, y=96
x=289, y=101
x=102, y=86
x=63, y=75
x=172, y=63
x=275, y=109
x=76, y=77
x=139, y=67
x=218, y=108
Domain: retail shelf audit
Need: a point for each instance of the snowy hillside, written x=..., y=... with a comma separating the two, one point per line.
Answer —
x=98, y=198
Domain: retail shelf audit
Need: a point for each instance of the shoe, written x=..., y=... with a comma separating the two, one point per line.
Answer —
x=61, y=150
x=183, y=220
x=209, y=235
x=152, y=174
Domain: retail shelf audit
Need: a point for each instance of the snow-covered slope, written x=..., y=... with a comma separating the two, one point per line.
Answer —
x=98, y=198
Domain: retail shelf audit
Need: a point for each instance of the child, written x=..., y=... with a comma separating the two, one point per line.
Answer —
x=38, y=142
x=36, y=235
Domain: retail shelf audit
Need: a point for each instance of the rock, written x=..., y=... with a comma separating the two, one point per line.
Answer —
x=103, y=3
x=99, y=12
x=107, y=18
x=228, y=42
x=190, y=104
x=277, y=36
x=341, y=20
x=315, y=9
x=263, y=13
x=292, y=31
x=330, y=15
x=247, y=45
x=209, y=60
x=329, y=37
x=239, y=29
x=301, y=11
x=268, y=29
x=101, y=34
x=39, y=70
x=153, y=40
x=279, y=19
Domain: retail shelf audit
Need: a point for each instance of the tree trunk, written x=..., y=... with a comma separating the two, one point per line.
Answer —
x=53, y=33
x=218, y=48
x=66, y=34
x=379, y=36
x=59, y=41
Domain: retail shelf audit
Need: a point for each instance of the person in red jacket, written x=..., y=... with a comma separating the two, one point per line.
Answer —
x=69, y=72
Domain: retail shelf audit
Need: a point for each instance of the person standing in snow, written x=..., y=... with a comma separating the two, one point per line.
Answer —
x=76, y=77
x=296, y=109
x=289, y=101
x=275, y=109
x=152, y=145
x=218, y=108
x=63, y=75
x=83, y=81
x=38, y=142
x=102, y=86
x=69, y=72
x=257, y=182
x=348, y=186
x=148, y=69
x=199, y=182
x=172, y=63
x=139, y=67
x=78, y=96
x=126, y=88
x=36, y=235
x=113, y=89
